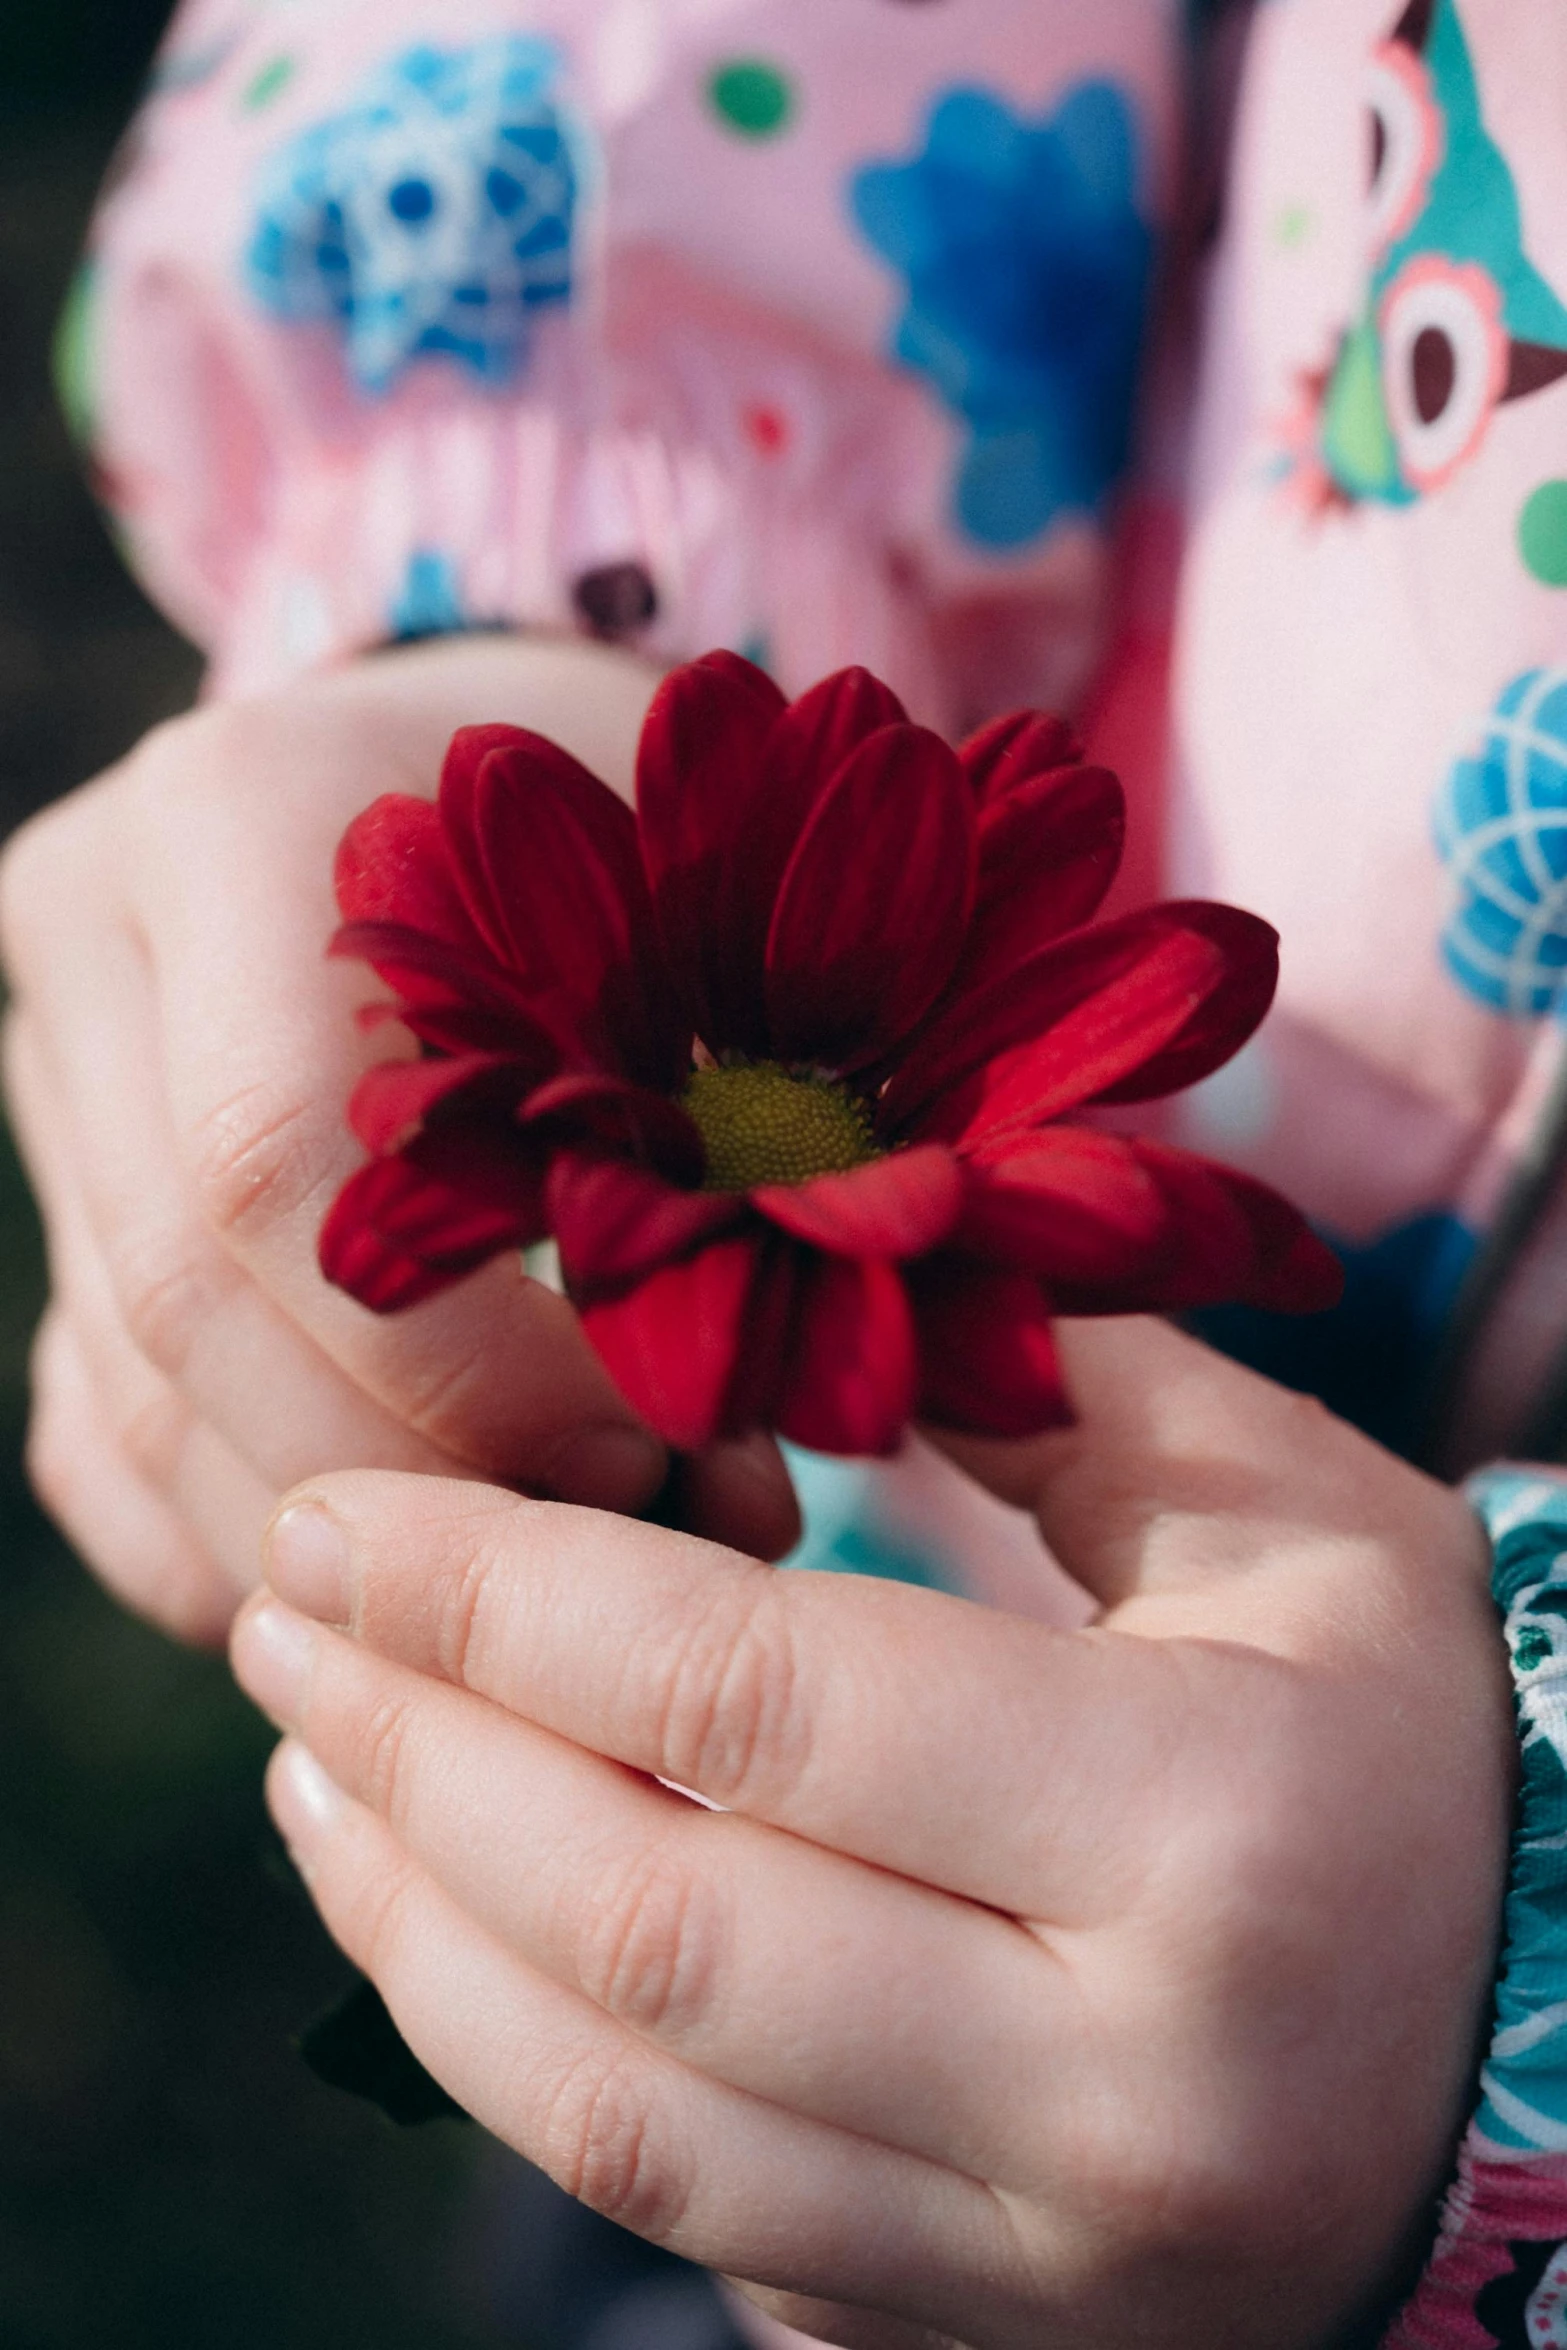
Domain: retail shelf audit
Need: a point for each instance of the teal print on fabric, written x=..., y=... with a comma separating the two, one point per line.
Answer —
x=1501, y=827
x=1026, y=263
x=432, y=218
x=1523, y=2104
x=430, y=602
x=1456, y=318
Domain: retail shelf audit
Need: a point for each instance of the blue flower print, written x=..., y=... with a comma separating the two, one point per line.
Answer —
x=1027, y=264
x=432, y=216
x=1501, y=825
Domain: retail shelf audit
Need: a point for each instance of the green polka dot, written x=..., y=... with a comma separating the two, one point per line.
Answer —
x=75, y=359
x=1542, y=533
x=1292, y=224
x=752, y=97
x=270, y=83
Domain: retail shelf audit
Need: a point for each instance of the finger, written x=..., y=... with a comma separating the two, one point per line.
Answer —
x=496, y=1372
x=739, y=1494
x=120, y=1193
x=714, y=2174
x=779, y=2321
x=1046, y=1763
x=130, y=1537
x=757, y=1958
x=233, y=1170
x=1184, y=1469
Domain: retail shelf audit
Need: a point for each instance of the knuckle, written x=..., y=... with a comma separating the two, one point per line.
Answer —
x=1189, y=2184
x=151, y=1430
x=252, y=1161
x=650, y=1945
x=374, y=1916
x=382, y=1743
x=165, y=1283
x=601, y=2143
x=734, y=1721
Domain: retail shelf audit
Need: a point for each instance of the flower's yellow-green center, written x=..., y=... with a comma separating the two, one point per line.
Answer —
x=760, y=1125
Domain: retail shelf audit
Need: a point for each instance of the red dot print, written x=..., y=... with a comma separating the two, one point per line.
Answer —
x=767, y=429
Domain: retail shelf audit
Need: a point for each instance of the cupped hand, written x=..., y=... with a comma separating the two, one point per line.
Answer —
x=1031, y=1987
x=179, y=1054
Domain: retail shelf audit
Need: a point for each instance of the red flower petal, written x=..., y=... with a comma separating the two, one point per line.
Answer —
x=1069, y=1204
x=605, y=1114
x=457, y=1002
x=1012, y=750
x=700, y=773
x=564, y=872
x=673, y=1345
x=391, y=1102
x=874, y=907
x=851, y=1383
x=1122, y=1012
x=722, y=800
x=1047, y=855
x=618, y=1224
x=459, y=800
x=899, y=1206
x=1122, y=1226
x=987, y=1359
x=393, y=865
x=405, y=1227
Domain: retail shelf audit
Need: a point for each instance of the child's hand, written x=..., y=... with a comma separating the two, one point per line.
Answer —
x=1036, y=1988
x=179, y=1059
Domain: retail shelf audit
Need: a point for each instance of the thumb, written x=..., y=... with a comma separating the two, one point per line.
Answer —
x=1183, y=1468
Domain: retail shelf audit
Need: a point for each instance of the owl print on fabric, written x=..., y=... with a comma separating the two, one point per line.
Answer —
x=1456, y=320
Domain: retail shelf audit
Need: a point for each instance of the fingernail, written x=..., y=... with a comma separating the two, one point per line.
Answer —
x=303, y=1787
x=306, y=1562
x=273, y=1653
x=607, y=1467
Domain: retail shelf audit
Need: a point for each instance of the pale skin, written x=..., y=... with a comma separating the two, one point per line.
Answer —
x=1032, y=1987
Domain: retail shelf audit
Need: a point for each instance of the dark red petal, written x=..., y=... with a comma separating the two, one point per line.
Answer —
x=899, y=1206
x=1127, y=1010
x=852, y=1376
x=1230, y=1240
x=722, y=806
x=673, y=1345
x=987, y=1360
x=700, y=773
x=826, y=726
x=594, y=1114
x=407, y=1226
x=874, y=907
x=459, y=796
x=1047, y=855
x=392, y=1100
x=393, y=865
x=1120, y=1226
x=564, y=869
x=461, y=1003
x=617, y=1224
x=1071, y=1204
x=1011, y=750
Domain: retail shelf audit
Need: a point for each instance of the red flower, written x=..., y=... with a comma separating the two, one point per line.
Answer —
x=787, y=1061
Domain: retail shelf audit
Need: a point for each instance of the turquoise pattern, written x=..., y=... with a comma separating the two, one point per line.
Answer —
x=1523, y=2106
x=434, y=217
x=1501, y=825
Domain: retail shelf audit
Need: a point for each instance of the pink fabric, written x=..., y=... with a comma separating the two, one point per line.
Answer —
x=715, y=404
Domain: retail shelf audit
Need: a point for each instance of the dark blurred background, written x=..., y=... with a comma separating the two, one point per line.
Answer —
x=170, y=2175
